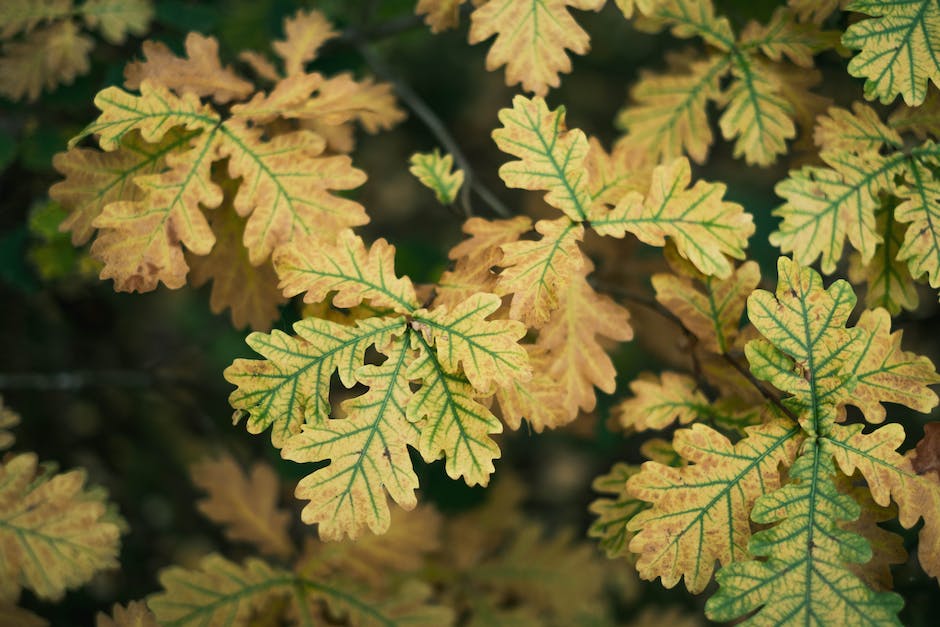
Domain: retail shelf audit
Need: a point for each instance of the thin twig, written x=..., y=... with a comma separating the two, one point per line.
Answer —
x=430, y=119
x=75, y=380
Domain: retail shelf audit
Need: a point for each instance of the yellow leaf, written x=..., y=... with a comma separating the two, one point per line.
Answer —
x=219, y=592
x=614, y=514
x=201, y=73
x=291, y=386
x=118, y=18
x=475, y=257
x=701, y=512
x=784, y=36
x=891, y=476
x=571, y=337
x=888, y=278
x=815, y=10
x=287, y=187
x=94, y=179
x=690, y=18
x=304, y=33
x=135, y=614
x=920, y=209
x=435, y=172
x=921, y=120
x=538, y=401
x=486, y=351
x=8, y=420
x=367, y=450
x=452, y=420
x=153, y=113
x=440, y=15
x=656, y=404
x=669, y=116
x=250, y=291
x=611, y=175
x=49, y=56
x=24, y=15
x=756, y=116
x=347, y=270
x=54, y=532
x=531, y=39
x=551, y=158
x=806, y=577
x=899, y=48
x=705, y=228
x=886, y=373
x=140, y=243
x=860, y=130
x=807, y=347
x=246, y=505
x=713, y=313
x=537, y=272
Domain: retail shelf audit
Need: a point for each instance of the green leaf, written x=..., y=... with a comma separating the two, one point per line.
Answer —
x=434, y=172
x=804, y=578
x=899, y=48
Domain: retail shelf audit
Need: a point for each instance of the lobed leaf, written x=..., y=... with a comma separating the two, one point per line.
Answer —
x=434, y=172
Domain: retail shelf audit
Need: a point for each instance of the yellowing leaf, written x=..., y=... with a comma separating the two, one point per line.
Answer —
x=153, y=113
x=756, y=115
x=304, y=33
x=921, y=210
x=54, y=532
x=246, y=505
x=806, y=576
x=367, y=450
x=614, y=514
x=487, y=351
x=118, y=18
x=656, y=404
x=440, y=15
x=8, y=420
x=434, y=172
x=220, y=591
x=475, y=258
x=551, y=158
x=572, y=335
x=815, y=10
x=784, y=36
x=142, y=242
x=701, y=513
x=807, y=347
x=826, y=205
x=921, y=120
x=291, y=386
x=135, y=614
x=714, y=313
x=669, y=117
x=201, y=73
x=24, y=15
x=537, y=272
x=531, y=39
x=94, y=179
x=540, y=401
x=899, y=48
x=860, y=130
x=287, y=188
x=251, y=292
x=452, y=420
x=705, y=228
x=50, y=56
x=347, y=270
x=611, y=175
x=886, y=373
x=888, y=278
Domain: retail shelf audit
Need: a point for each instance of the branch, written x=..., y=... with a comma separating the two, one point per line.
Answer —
x=75, y=380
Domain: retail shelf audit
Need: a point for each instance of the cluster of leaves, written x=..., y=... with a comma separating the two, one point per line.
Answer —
x=203, y=171
x=44, y=45
x=425, y=571
x=55, y=532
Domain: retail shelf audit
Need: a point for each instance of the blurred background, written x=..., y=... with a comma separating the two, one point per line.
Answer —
x=130, y=386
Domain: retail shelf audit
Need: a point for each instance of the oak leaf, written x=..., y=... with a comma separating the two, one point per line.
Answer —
x=435, y=172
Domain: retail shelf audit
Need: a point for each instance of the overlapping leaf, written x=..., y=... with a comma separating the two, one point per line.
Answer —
x=806, y=576
x=701, y=513
x=899, y=48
